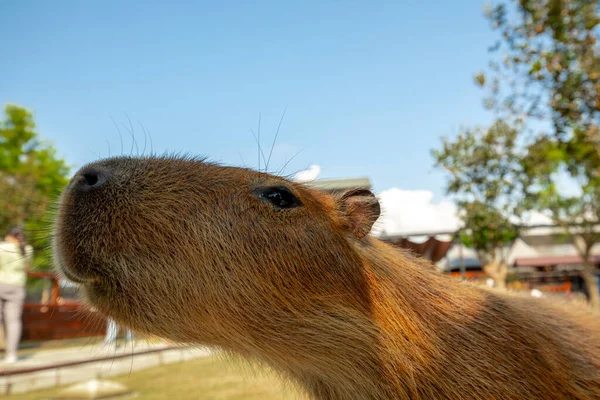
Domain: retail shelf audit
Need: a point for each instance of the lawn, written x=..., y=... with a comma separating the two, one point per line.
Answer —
x=200, y=379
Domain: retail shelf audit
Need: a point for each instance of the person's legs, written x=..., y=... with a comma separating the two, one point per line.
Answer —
x=128, y=335
x=2, y=330
x=13, y=310
x=112, y=329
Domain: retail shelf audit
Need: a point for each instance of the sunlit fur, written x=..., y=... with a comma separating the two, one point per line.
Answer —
x=182, y=249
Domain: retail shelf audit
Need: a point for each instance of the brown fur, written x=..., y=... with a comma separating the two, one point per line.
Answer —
x=183, y=249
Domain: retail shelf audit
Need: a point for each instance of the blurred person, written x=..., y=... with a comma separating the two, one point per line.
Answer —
x=15, y=259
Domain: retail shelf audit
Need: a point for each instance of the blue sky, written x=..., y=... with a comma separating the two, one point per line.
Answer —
x=370, y=87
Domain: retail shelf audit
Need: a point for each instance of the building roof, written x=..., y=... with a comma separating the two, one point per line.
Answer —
x=552, y=260
x=442, y=249
x=334, y=185
x=432, y=248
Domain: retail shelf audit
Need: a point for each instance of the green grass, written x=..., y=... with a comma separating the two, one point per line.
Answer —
x=200, y=379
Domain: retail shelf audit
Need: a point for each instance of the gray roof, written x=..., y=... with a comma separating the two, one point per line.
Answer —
x=340, y=184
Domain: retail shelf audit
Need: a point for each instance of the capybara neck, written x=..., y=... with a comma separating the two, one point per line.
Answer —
x=387, y=345
x=287, y=275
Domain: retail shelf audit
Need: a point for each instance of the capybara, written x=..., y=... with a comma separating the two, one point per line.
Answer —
x=289, y=276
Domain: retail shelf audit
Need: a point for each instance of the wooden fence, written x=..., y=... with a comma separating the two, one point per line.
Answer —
x=54, y=316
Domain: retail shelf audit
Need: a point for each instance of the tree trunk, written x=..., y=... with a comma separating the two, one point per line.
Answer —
x=591, y=284
x=497, y=271
x=589, y=278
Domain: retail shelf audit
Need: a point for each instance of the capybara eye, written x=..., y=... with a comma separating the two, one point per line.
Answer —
x=279, y=196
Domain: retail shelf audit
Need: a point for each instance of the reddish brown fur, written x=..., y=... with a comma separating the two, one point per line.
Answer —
x=182, y=249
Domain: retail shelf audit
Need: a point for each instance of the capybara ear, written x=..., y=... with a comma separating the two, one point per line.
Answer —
x=361, y=209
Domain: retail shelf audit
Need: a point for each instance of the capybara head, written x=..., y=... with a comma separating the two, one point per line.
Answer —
x=193, y=251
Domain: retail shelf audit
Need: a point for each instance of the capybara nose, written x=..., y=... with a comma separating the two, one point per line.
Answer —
x=90, y=178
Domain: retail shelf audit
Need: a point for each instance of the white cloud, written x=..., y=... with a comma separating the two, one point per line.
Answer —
x=412, y=211
x=308, y=175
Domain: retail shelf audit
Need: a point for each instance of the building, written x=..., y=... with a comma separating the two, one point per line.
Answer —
x=336, y=186
x=542, y=257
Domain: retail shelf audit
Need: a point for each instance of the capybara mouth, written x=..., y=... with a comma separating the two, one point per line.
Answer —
x=73, y=277
x=69, y=272
x=83, y=211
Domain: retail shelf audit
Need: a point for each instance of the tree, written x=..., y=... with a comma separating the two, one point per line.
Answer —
x=579, y=213
x=31, y=178
x=548, y=80
x=486, y=178
x=550, y=68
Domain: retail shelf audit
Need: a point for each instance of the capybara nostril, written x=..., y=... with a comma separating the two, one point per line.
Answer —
x=89, y=179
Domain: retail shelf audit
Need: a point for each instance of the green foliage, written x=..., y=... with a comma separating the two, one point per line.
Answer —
x=551, y=71
x=486, y=178
x=549, y=65
x=548, y=80
x=486, y=230
x=31, y=178
x=577, y=213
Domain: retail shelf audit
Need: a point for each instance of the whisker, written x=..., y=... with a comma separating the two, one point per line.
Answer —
x=275, y=139
x=288, y=161
x=94, y=153
x=145, y=138
x=260, y=152
x=131, y=132
x=108, y=143
x=120, y=135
